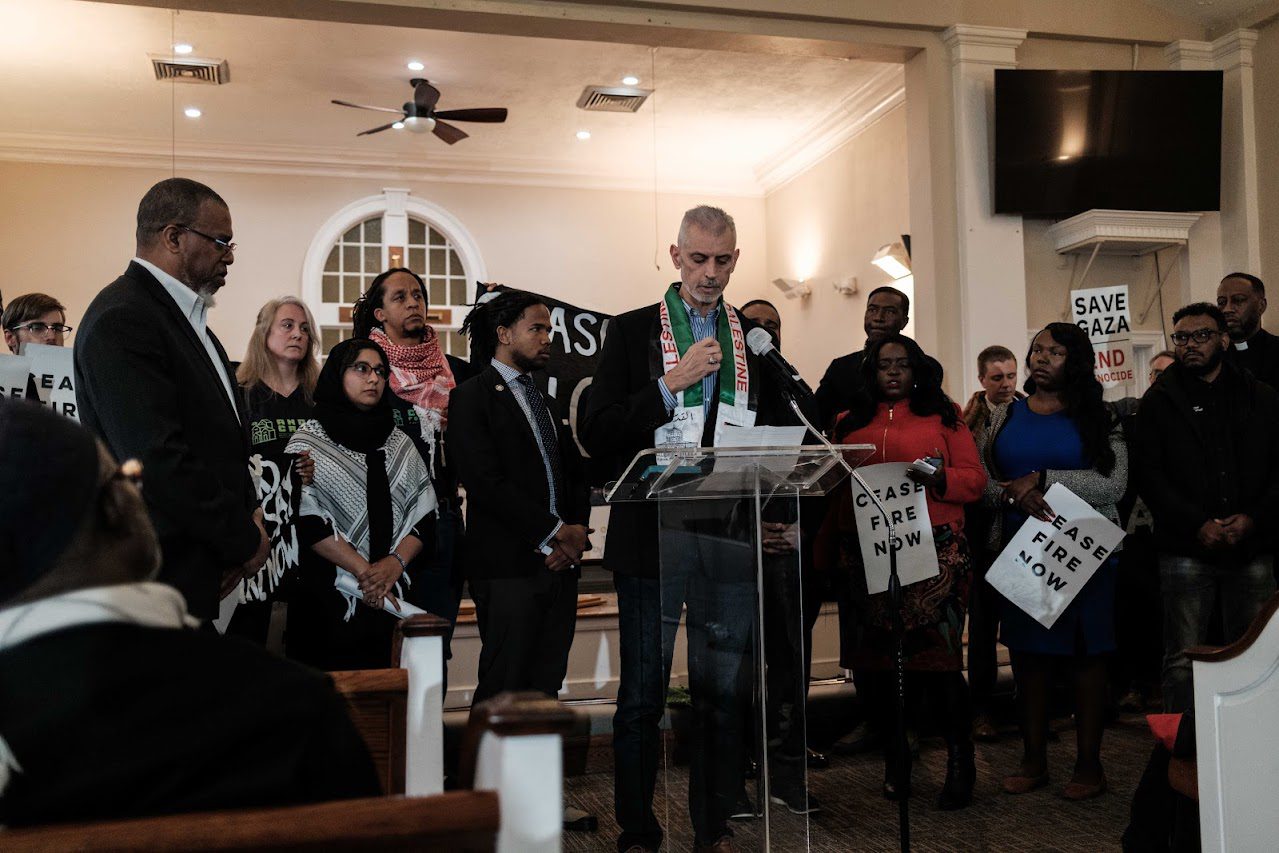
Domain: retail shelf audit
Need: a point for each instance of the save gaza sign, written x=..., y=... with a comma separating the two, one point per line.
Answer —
x=1105, y=317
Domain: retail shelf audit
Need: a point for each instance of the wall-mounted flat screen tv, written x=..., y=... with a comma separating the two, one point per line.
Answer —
x=1070, y=141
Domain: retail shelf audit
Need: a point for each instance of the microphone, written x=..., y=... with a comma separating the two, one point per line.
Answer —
x=761, y=343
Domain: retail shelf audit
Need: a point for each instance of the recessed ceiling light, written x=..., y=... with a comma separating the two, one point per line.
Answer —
x=583, y=134
x=414, y=65
x=182, y=48
x=630, y=80
x=192, y=112
x=399, y=125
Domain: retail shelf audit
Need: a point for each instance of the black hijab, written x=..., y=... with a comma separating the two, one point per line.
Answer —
x=362, y=431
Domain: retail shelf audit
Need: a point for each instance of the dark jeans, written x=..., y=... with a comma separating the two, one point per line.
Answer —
x=526, y=630
x=719, y=622
x=1192, y=590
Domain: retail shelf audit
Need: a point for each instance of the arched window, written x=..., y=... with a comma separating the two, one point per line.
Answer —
x=392, y=229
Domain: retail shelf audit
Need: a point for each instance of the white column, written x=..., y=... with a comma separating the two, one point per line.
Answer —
x=1240, y=227
x=992, y=267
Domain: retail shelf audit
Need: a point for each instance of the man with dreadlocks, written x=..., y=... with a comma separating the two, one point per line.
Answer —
x=529, y=501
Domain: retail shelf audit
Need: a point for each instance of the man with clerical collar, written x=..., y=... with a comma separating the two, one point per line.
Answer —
x=679, y=373
x=112, y=704
x=1242, y=299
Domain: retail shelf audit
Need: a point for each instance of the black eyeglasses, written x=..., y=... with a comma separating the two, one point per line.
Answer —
x=363, y=368
x=35, y=327
x=221, y=244
x=1199, y=336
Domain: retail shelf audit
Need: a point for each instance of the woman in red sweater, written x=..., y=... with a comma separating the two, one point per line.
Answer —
x=907, y=416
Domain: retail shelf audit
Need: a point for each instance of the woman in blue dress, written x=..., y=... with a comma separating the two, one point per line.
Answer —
x=1064, y=433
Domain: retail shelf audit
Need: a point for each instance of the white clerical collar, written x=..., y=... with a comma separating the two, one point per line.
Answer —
x=1241, y=345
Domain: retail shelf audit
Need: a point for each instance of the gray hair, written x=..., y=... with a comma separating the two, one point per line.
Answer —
x=712, y=220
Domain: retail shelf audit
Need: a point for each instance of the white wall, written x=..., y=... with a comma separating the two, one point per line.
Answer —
x=826, y=224
x=1265, y=77
x=68, y=231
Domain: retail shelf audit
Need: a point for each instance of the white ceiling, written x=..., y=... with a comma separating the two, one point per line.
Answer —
x=1210, y=12
x=77, y=76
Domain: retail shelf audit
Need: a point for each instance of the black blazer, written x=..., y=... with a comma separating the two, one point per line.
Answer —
x=625, y=408
x=492, y=448
x=144, y=383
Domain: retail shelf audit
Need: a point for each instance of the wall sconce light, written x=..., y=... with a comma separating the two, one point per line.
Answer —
x=893, y=259
x=848, y=287
x=793, y=289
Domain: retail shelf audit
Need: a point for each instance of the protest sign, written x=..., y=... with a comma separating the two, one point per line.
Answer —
x=14, y=372
x=54, y=375
x=907, y=506
x=1104, y=315
x=1047, y=563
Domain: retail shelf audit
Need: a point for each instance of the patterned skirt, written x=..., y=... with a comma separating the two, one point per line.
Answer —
x=933, y=610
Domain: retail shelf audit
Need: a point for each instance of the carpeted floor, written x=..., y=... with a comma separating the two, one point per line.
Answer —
x=856, y=817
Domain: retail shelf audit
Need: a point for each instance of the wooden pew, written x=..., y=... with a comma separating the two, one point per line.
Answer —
x=511, y=750
x=457, y=821
x=376, y=700
x=1237, y=737
x=514, y=745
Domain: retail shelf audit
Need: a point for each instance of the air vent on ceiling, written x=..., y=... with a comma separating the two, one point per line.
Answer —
x=613, y=99
x=189, y=69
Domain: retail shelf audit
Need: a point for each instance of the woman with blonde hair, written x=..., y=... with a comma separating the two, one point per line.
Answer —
x=277, y=378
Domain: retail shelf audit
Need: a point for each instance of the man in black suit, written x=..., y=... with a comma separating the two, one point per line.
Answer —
x=887, y=313
x=154, y=382
x=528, y=501
x=658, y=382
x=111, y=706
x=1242, y=298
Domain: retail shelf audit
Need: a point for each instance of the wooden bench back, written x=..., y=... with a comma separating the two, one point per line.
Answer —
x=456, y=821
x=376, y=699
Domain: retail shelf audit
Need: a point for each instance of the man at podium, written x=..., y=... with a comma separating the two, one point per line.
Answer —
x=679, y=373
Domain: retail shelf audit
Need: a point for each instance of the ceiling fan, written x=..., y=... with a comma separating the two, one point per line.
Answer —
x=420, y=116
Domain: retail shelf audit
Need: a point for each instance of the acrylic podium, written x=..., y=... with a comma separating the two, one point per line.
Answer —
x=731, y=525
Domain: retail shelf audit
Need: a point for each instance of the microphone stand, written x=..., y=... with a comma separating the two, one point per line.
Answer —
x=899, y=631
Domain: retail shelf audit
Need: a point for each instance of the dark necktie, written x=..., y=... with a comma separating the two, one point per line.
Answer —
x=546, y=429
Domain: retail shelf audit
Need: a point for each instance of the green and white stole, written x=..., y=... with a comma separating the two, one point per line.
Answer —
x=689, y=420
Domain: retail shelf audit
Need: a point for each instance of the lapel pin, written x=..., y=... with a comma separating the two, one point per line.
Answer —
x=498, y=388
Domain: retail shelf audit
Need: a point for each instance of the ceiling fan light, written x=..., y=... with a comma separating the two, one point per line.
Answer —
x=419, y=124
x=416, y=65
x=398, y=125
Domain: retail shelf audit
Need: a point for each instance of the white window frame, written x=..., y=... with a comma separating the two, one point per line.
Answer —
x=395, y=206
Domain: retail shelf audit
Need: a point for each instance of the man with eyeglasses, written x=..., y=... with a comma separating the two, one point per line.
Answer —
x=154, y=382
x=1207, y=462
x=34, y=318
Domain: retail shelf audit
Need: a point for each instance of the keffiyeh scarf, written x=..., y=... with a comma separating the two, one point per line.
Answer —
x=339, y=493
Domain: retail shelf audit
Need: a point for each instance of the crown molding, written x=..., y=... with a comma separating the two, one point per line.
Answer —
x=1234, y=50
x=69, y=149
x=880, y=95
x=983, y=45
x=1188, y=55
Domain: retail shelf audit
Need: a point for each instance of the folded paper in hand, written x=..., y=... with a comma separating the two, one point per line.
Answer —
x=1047, y=563
x=348, y=585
